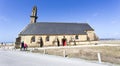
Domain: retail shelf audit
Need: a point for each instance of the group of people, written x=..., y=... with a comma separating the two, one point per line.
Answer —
x=24, y=46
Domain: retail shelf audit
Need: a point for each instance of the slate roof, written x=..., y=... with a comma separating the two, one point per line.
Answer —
x=48, y=28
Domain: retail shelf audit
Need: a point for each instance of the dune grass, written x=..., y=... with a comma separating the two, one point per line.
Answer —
x=109, y=54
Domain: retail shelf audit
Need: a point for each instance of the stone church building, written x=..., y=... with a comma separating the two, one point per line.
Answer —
x=39, y=34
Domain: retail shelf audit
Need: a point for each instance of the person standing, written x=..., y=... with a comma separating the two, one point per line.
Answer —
x=2, y=43
x=25, y=46
x=22, y=45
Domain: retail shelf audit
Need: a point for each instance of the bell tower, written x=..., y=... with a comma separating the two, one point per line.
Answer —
x=34, y=15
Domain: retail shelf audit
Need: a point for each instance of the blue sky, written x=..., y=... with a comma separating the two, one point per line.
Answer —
x=102, y=15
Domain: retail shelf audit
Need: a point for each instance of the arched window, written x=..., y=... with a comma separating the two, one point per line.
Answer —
x=33, y=39
x=76, y=37
x=47, y=38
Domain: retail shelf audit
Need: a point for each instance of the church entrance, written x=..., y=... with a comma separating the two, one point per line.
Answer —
x=58, y=42
x=64, y=42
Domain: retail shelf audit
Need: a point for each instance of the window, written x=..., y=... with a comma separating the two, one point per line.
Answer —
x=71, y=38
x=76, y=37
x=33, y=39
x=47, y=38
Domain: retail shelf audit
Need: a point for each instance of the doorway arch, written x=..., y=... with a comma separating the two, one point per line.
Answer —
x=64, y=41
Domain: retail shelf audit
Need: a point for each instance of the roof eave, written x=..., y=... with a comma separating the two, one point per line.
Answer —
x=50, y=34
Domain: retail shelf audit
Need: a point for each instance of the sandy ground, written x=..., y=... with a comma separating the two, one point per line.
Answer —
x=18, y=58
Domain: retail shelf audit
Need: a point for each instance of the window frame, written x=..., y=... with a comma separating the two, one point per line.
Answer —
x=33, y=39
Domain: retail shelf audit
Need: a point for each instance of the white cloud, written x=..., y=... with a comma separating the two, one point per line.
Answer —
x=116, y=34
x=112, y=35
x=3, y=19
x=115, y=22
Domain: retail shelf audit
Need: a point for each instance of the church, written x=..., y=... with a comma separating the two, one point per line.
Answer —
x=41, y=34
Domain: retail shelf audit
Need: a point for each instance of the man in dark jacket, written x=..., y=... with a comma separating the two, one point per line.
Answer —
x=22, y=45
